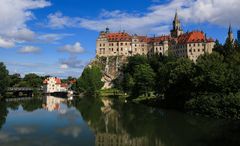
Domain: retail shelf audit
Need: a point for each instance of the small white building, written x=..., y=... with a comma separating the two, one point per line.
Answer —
x=53, y=85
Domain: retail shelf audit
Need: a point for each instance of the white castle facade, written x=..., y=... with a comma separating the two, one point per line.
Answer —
x=190, y=44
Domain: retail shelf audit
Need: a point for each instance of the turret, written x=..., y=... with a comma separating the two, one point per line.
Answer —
x=177, y=30
x=107, y=30
x=230, y=34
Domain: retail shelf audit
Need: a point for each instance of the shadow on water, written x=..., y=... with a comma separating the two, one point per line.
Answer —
x=113, y=123
x=116, y=123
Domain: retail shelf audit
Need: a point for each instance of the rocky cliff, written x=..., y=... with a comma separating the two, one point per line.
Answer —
x=110, y=67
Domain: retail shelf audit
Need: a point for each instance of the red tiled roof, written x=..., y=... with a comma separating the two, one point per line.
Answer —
x=121, y=36
x=193, y=37
x=64, y=85
x=143, y=39
x=45, y=81
x=159, y=39
x=58, y=81
x=73, y=81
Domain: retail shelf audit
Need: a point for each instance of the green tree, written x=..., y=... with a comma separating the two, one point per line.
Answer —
x=127, y=83
x=179, y=85
x=15, y=79
x=144, y=78
x=211, y=74
x=4, y=79
x=134, y=61
x=90, y=81
x=218, y=47
x=32, y=80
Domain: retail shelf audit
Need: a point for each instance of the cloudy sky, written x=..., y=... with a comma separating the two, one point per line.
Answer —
x=57, y=37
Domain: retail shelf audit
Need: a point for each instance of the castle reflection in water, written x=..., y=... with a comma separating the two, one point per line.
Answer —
x=114, y=133
x=110, y=132
x=107, y=122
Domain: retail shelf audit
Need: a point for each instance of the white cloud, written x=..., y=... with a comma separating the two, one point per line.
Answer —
x=158, y=17
x=64, y=66
x=51, y=38
x=13, y=17
x=57, y=20
x=29, y=50
x=75, y=48
x=6, y=43
x=71, y=62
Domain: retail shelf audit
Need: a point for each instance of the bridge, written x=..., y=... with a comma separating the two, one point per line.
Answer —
x=13, y=89
x=20, y=91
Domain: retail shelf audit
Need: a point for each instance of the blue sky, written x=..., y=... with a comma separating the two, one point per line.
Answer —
x=53, y=37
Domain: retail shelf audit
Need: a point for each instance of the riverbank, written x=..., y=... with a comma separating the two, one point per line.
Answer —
x=218, y=109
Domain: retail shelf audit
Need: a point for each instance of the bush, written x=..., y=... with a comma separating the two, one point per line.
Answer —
x=215, y=105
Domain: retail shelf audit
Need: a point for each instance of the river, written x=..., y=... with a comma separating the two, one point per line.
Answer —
x=54, y=121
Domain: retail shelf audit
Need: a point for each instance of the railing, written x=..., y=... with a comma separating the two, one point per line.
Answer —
x=12, y=89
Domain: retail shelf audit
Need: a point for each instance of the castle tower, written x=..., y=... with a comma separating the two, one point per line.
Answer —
x=107, y=30
x=230, y=34
x=177, y=30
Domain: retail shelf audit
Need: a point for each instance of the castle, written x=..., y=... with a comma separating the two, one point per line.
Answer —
x=190, y=44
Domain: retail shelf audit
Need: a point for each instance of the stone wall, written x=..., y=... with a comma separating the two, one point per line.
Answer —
x=110, y=68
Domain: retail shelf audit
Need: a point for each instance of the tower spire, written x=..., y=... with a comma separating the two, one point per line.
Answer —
x=230, y=34
x=230, y=28
x=176, y=16
x=177, y=30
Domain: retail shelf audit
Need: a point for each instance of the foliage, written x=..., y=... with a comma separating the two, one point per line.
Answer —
x=90, y=81
x=216, y=105
x=4, y=79
x=211, y=86
x=33, y=80
x=143, y=77
x=15, y=80
x=3, y=115
x=211, y=73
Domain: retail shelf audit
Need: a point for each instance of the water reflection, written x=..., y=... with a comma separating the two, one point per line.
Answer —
x=104, y=122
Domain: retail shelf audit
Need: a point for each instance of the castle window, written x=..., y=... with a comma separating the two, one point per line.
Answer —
x=126, y=44
x=198, y=50
x=121, y=49
x=194, y=50
x=100, y=45
x=121, y=44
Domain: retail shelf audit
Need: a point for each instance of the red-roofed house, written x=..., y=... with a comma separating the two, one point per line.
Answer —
x=53, y=84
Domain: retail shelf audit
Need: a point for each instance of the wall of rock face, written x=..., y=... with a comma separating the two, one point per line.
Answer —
x=110, y=67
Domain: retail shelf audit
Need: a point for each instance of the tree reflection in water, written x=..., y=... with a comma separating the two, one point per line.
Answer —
x=119, y=124
x=124, y=124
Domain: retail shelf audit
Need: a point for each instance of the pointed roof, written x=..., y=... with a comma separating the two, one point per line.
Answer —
x=176, y=16
x=230, y=29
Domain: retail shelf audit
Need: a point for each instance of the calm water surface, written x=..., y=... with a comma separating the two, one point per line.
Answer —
x=53, y=121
